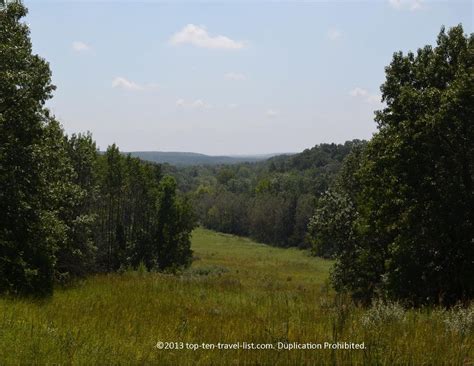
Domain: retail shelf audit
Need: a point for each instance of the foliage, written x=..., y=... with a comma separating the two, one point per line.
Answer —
x=174, y=227
x=271, y=201
x=67, y=210
x=331, y=225
x=29, y=228
x=411, y=186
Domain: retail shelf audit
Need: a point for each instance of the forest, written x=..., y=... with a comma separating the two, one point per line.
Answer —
x=69, y=211
x=271, y=201
x=395, y=212
x=390, y=219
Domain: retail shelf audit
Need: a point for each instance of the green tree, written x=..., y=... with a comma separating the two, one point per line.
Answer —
x=332, y=224
x=29, y=229
x=76, y=257
x=415, y=199
x=175, y=222
x=111, y=242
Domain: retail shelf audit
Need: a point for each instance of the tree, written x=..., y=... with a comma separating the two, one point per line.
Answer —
x=77, y=254
x=29, y=229
x=67, y=210
x=332, y=224
x=271, y=219
x=303, y=212
x=415, y=197
x=175, y=222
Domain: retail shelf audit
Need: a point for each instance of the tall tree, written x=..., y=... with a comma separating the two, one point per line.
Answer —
x=76, y=256
x=415, y=192
x=28, y=228
x=65, y=209
x=175, y=221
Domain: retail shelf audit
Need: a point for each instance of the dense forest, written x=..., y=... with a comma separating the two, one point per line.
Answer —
x=396, y=212
x=66, y=209
x=271, y=201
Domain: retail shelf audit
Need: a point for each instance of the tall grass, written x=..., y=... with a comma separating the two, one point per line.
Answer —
x=235, y=291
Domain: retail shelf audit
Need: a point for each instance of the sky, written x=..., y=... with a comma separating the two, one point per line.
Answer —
x=227, y=77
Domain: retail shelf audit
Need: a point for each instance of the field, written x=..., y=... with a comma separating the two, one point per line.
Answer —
x=235, y=291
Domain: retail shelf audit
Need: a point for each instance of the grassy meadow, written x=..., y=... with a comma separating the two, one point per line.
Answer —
x=235, y=291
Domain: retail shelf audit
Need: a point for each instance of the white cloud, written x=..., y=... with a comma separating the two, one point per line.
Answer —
x=80, y=46
x=334, y=34
x=198, y=36
x=365, y=95
x=123, y=83
x=195, y=104
x=235, y=76
x=232, y=105
x=406, y=4
x=271, y=113
x=358, y=92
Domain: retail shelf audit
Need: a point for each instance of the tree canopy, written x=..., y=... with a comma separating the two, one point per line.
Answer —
x=411, y=187
x=67, y=210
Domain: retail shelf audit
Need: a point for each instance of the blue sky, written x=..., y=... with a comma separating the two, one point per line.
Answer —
x=227, y=77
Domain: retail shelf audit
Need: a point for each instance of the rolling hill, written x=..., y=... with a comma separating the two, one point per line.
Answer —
x=189, y=158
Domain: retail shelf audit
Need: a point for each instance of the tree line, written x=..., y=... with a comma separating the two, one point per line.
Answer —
x=68, y=210
x=271, y=201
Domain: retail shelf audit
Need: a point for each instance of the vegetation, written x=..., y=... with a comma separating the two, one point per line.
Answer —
x=29, y=227
x=270, y=201
x=66, y=210
x=400, y=215
x=235, y=291
x=395, y=212
x=392, y=216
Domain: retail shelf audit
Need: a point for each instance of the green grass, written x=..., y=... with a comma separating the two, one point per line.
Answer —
x=235, y=291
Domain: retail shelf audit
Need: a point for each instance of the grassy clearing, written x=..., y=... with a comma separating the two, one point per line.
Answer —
x=236, y=291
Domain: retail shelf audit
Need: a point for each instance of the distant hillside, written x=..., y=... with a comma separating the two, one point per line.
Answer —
x=271, y=200
x=188, y=158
